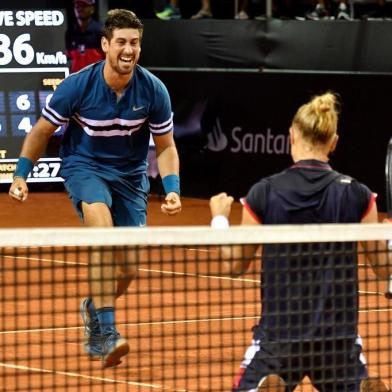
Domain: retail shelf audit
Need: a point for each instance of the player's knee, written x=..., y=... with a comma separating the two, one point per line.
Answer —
x=272, y=383
x=96, y=214
x=374, y=383
x=126, y=272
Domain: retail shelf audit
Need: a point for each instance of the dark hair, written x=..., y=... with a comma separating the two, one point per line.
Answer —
x=121, y=19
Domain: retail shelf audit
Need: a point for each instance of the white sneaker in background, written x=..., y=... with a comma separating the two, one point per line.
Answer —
x=342, y=13
x=242, y=15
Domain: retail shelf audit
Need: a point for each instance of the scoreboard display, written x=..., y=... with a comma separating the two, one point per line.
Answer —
x=32, y=64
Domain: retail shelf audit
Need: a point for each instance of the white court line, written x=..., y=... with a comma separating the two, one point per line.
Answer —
x=170, y=322
x=375, y=310
x=371, y=292
x=79, y=375
x=139, y=269
x=46, y=260
x=199, y=275
x=169, y=272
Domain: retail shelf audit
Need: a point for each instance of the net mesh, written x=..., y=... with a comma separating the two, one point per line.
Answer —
x=188, y=324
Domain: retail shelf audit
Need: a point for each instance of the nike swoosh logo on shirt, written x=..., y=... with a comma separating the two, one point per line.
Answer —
x=137, y=108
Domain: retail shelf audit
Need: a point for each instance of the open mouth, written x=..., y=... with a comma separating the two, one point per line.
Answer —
x=127, y=60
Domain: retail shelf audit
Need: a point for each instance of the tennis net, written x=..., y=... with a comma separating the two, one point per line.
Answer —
x=187, y=322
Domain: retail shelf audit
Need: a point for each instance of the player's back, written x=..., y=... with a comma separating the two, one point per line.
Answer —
x=310, y=290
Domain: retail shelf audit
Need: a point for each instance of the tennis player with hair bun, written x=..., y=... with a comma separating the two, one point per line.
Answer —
x=309, y=321
x=110, y=108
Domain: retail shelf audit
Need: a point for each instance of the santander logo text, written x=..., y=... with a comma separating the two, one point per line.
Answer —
x=248, y=142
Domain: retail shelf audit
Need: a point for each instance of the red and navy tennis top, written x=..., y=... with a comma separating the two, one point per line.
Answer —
x=309, y=290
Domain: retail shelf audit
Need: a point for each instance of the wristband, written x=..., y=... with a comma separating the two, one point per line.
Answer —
x=219, y=222
x=171, y=183
x=23, y=168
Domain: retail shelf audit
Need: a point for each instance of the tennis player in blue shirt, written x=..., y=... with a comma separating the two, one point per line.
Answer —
x=309, y=321
x=110, y=109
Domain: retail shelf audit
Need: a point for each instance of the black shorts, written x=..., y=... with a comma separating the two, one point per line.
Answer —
x=331, y=365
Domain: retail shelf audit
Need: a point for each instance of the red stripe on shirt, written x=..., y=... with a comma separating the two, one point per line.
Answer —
x=238, y=377
x=247, y=207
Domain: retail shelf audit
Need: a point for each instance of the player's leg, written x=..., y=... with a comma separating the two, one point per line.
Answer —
x=98, y=309
x=272, y=383
x=92, y=199
x=126, y=270
x=129, y=209
x=103, y=286
x=374, y=383
x=112, y=270
x=101, y=264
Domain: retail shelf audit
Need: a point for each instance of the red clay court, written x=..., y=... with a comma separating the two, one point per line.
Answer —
x=187, y=328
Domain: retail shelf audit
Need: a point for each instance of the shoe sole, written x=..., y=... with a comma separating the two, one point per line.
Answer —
x=93, y=357
x=113, y=358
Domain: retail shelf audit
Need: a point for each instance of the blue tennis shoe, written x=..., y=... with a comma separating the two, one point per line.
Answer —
x=113, y=348
x=92, y=334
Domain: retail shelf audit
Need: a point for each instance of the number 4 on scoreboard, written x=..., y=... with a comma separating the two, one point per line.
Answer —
x=25, y=125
